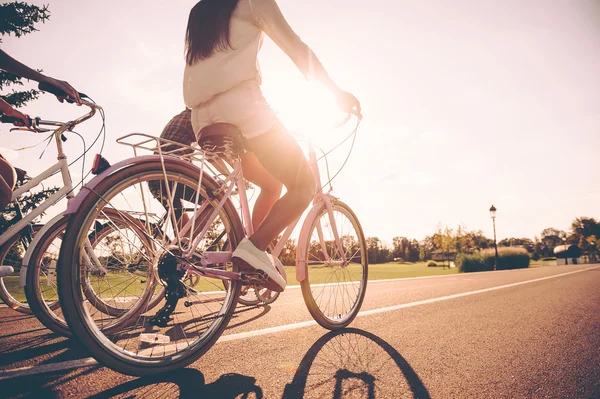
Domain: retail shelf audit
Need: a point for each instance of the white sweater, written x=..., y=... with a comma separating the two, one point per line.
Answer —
x=226, y=69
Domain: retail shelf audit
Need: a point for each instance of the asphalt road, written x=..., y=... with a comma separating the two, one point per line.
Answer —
x=512, y=334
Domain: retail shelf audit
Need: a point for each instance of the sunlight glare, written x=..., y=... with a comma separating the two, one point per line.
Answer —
x=307, y=108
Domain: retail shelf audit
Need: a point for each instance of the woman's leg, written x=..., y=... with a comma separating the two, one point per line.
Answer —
x=281, y=156
x=270, y=188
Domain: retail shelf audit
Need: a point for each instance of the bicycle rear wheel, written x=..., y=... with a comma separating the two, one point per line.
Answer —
x=195, y=309
x=334, y=289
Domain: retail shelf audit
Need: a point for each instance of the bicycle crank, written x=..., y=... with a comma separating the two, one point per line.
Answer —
x=257, y=277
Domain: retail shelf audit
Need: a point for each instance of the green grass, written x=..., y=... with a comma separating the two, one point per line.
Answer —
x=12, y=285
x=376, y=272
x=384, y=271
x=541, y=263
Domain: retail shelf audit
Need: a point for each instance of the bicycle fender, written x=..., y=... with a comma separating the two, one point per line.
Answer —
x=36, y=240
x=92, y=184
x=301, y=250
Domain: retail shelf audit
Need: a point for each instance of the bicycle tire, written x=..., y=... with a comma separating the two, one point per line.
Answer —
x=328, y=279
x=14, y=248
x=133, y=358
x=38, y=297
x=104, y=232
x=41, y=289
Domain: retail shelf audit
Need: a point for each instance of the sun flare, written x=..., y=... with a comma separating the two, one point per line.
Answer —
x=305, y=108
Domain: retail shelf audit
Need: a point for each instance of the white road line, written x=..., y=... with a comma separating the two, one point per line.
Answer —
x=47, y=368
x=463, y=294
x=256, y=333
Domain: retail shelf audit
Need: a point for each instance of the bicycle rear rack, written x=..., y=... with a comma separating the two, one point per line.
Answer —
x=164, y=147
x=141, y=143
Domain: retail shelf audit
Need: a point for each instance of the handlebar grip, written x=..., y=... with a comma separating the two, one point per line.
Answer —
x=12, y=119
x=58, y=92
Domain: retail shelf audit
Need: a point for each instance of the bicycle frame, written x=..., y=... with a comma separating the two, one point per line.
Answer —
x=61, y=165
x=236, y=180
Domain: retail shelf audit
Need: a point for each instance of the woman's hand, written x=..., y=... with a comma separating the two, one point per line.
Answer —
x=348, y=103
x=13, y=113
x=66, y=87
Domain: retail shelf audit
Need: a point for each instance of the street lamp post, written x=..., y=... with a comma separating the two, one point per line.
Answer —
x=564, y=237
x=493, y=215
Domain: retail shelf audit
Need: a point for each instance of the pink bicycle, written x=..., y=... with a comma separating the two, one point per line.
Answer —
x=199, y=196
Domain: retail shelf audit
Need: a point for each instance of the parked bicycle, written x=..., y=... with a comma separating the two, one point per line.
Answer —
x=191, y=257
x=32, y=249
x=16, y=240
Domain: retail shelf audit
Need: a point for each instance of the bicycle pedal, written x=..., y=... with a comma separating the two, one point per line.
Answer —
x=254, y=277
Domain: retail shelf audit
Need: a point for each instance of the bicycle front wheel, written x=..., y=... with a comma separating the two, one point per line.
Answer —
x=11, y=254
x=40, y=288
x=336, y=270
x=107, y=239
x=194, y=308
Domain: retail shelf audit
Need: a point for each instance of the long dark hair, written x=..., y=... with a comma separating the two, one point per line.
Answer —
x=208, y=29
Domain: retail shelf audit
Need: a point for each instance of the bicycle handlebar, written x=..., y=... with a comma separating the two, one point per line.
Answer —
x=35, y=123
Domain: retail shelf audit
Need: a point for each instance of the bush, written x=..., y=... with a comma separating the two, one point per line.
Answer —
x=431, y=263
x=508, y=258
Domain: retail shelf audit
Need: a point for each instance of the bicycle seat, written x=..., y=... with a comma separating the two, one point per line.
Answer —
x=221, y=138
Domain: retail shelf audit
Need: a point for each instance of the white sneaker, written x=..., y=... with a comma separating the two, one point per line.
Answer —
x=6, y=270
x=248, y=257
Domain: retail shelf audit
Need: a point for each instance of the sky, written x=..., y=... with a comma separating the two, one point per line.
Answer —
x=466, y=103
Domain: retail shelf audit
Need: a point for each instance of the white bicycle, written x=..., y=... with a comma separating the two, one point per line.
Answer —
x=32, y=249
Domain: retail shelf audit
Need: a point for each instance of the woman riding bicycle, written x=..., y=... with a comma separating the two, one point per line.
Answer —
x=222, y=85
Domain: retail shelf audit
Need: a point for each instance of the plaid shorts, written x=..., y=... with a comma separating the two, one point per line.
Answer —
x=179, y=129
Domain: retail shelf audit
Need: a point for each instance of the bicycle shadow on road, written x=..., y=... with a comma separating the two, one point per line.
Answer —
x=264, y=310
x=353, y=362
x=236, y=315
x=30, y=348
x=15, y=318
x=26, y=346
x=185, y=383
x=25, y=387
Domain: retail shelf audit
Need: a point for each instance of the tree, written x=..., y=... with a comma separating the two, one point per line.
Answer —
x=538, y=249
x=351, y=247
x=585, y=233
x=378, y=253
x=399, y=247
x=422, y=256
x=28, y=202
x=517, y=242
x=288, y=253
x=550, y=239
x=480, y=241
x=586, y=227
x=465, y=240
x=19, y=19
x=427, y=246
